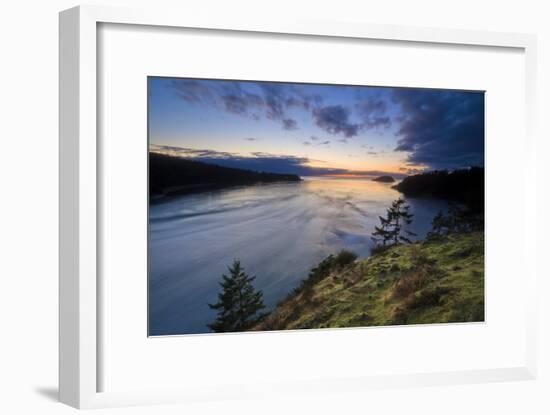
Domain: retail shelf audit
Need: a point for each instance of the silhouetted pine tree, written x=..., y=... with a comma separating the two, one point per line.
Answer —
x=390, y=231
x=238, y=302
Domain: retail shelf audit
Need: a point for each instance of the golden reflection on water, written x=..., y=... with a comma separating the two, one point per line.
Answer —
x=365, y=186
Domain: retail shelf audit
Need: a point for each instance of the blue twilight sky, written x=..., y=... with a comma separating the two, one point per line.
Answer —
x=311, y=129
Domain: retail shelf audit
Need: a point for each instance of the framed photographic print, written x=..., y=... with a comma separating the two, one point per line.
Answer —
x=244, y=237
x=227, y=186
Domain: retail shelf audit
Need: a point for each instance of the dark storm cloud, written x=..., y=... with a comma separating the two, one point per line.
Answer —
x=334, y=119
x=441, y=129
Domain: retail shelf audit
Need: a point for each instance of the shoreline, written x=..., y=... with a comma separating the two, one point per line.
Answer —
x=176, y=191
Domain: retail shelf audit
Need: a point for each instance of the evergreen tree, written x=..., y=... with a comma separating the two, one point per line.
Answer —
x=440, y=225
x=390, y=231
x=238, y=303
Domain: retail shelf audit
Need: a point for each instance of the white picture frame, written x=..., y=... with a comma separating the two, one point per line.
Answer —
x=78, y=374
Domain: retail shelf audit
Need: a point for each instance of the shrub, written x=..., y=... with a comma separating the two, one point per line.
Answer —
x=344, y=258
x=325, y=268
x=378, y=249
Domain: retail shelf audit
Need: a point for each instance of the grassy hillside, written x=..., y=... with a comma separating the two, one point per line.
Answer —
x=426, y=282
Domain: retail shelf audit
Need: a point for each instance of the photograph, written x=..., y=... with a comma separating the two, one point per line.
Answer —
x=293, y=206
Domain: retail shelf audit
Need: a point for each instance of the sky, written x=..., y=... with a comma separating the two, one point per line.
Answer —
x=311, y=129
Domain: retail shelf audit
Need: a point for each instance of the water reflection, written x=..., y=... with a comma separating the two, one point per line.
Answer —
x=278, y=231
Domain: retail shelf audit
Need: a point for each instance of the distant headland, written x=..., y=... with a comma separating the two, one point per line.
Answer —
x=170, y=175
x=384, y=179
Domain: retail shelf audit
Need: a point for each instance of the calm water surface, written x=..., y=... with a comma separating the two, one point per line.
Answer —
x=278, y=231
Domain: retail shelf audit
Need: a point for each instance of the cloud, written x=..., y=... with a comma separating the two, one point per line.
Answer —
x=377, y=122
x=251, y=139
x=306, y=143
x=290, y=124
x=441, y=129
x=188, y=152
x=316, y=142
x=274, y=100
x=237, y=100
x=435, y=128
x=279, y=98
x=240, y=104
x=372, y=106
x=278, y=102
x=373, y=113
x=410, y=170
x=256, y=100
x=298, y=98
x=335, y=120
x=192, y=91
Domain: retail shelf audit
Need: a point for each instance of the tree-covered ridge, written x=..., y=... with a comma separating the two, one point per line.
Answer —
x=171, y=175
x=384, y=179
x=466, y=186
